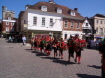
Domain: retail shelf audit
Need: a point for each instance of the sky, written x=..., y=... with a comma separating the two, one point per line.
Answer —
x=86, y=8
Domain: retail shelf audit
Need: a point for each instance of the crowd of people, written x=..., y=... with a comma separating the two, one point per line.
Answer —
x=73, y=45
x=94, y=44
x=46, y=44
x=15, y=39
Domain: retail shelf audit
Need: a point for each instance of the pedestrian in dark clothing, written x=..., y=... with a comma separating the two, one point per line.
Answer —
x=102, y=51
x=70, y=48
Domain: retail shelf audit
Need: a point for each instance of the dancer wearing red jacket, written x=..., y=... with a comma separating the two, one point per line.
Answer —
x=77, y=48
x=61, y=46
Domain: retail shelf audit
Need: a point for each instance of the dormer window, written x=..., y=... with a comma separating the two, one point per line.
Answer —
x=26, y=7
x=72, y=13
x=44, y=8
x=59, y=10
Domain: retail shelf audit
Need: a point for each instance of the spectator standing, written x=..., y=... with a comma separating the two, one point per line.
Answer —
x=1, y=36
x=92, y=44
x=97, y=43
x=10, y=38
x=24, y=40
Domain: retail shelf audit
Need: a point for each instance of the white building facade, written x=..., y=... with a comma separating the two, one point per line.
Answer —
x=87, y=29
x=40, y=23
x=47, y=19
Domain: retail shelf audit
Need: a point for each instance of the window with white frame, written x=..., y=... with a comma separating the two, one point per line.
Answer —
x=72, y=24
x=34, y=20
x=97, y=21
x=51, y=22
x=66, y=23
x=104, y=21
x=43, y=21
x=44, y=8
x=7, y=28
x=104, y=30
x=96, y=30
x=12, y=23
x=59, y=10
x=72, y=13
x=7, y=23
x=78, y=25
x=101, y=21
x=9, y=18
x=101, y=31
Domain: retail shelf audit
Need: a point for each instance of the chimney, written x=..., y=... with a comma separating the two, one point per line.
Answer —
x=76, y=9
x=51, y=1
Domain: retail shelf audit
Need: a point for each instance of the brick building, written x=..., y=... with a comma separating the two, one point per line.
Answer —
x=9, y=22
x=49, y=18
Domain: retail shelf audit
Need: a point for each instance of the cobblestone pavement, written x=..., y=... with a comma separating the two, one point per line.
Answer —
x=17, y=61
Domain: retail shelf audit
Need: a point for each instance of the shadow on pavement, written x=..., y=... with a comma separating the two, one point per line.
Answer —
x=57, y=60
x=27, y=49
x=94, y=66
x=51, y=58
x=41, y=54
x=87, y=76
x=63, y=62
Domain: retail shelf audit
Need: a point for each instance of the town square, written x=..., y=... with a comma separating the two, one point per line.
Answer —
x=52, y=39
x=18, y=61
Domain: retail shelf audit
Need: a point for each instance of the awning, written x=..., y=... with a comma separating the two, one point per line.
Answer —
x=98, y=37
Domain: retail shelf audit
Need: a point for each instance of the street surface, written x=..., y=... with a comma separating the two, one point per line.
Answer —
x=17, y=61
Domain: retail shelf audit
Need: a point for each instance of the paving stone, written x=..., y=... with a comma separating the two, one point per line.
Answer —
x=17, y=61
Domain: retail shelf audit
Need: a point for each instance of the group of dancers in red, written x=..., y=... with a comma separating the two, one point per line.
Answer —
x=46, y=44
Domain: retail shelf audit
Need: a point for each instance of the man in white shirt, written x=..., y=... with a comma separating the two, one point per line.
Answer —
x=24, y=40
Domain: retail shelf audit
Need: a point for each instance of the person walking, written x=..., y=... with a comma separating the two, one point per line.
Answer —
x=77, y=48
x=24, y=40
x=102, y=52
x=70, y=45
x=55, y=43
x=61, y=47
x=32, y=43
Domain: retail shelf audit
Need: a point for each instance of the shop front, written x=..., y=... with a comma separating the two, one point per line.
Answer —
x=35, y=33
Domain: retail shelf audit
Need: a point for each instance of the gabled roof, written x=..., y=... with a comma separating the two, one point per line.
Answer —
x=52, y=7
x=90, y=21
x=99, y=15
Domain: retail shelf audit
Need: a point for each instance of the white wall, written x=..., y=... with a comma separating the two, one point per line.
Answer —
x=84, y=25
x=71, y=33
x=39, y=14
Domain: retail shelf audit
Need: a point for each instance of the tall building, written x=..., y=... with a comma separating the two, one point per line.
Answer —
x=98, y=21
x=49, y=18
x=8, y=22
